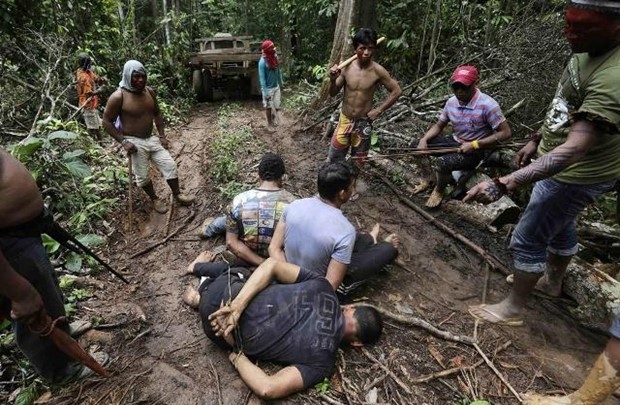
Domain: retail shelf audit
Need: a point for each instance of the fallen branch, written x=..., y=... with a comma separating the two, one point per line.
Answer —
x=164, y=240
x=217, y=382
x=454, y=370
x=497, y=372
x=421, y=323
x=387, y=370
x=493, y=262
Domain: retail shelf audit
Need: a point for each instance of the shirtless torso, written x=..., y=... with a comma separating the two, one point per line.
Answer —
x=360, y=80
x=136, y=109
x=21, y=200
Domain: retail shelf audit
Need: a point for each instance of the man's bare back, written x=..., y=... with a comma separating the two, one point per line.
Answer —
x=21, y=200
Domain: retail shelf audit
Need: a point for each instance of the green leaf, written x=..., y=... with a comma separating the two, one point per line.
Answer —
x=61, y=135
x=374, y=138
x=78, y=168
x=50, y=244
x=74, y=262
x=23, y=151
x=479, y=403
x=27, y=395
x=73, y=154
x=91, y=240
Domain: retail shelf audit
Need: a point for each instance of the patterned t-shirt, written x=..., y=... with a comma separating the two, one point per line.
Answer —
x=475, y=120
x=85, y=84
x=587, y=90
x=254, y=214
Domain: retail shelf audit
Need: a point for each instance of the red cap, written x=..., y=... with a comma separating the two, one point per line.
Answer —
x=466, y=75
x=267, y=45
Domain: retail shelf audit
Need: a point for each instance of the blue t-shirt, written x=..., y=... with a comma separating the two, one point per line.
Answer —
x=315, y=233
x=269, y=78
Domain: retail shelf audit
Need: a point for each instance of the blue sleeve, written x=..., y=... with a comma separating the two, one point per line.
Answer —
x=262, y=66
x=344, y=248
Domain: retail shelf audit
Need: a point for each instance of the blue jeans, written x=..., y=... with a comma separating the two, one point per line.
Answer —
x=549, y=222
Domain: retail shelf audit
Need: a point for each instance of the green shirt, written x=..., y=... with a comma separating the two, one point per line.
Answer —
x=589, y=89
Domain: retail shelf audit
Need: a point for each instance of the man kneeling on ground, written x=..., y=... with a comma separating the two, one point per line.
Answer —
x=251, y=220
x=296, y=322
x=314, y=234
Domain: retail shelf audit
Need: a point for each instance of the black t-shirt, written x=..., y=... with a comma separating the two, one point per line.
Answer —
x=299, y=324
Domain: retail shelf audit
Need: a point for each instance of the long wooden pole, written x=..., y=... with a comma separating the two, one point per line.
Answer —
x=130, y=194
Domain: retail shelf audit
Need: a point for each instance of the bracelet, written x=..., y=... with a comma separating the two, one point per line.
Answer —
x=475, y=144
x=502, y=187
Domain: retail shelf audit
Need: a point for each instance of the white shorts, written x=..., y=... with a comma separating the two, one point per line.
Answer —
x=274, y=95
x=91, y=118
x=151, y=149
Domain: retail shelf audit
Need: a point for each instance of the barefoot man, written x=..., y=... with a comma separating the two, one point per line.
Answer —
x=359, y=80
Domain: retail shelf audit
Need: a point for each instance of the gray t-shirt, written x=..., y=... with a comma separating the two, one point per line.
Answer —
x=315, y=233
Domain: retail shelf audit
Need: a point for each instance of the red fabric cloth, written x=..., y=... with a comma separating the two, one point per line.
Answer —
x=269, y=50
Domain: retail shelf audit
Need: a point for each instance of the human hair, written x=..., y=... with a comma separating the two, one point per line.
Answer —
x=83, y=61
x=271, y=167
x=369, y=324
x=364, y=36
x=333, y=178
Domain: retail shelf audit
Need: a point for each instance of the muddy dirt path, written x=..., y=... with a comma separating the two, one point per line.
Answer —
x=160, y=354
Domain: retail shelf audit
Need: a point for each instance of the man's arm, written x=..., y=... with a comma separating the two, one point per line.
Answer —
x=335, y=273
x=285, y=382
x=392, y=85
x=241, y=250
x=276, y=246
x=225, y=319
x=432, y=132
x=25, y=300
x=111, y=112
x=336, y=80
x=503, y=133
x=582, y=136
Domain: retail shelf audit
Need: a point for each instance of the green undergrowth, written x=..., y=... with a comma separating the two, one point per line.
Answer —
x=231, y=143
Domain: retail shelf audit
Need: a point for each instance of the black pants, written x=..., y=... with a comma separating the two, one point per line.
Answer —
x=27, y=256
x=368, y=259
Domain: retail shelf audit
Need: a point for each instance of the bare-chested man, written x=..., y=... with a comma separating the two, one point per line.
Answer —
x=28, y=288
x=359, y=80
x=128, y=118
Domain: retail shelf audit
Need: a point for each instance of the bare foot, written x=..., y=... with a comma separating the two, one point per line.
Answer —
x=421, y=186
x=191, y=297
x=544, y=285
x=534, y=399
x=502, y=313
x=203, y=257
x=375, y=232
x=435, y=199
x=394, y=240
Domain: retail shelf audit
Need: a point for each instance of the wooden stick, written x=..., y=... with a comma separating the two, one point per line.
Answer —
x=454, y=370
x=497, y=372
x=347, y=62
x=164, y=240
x=130, y=193
x=421, y=323
x=493, y=262
x=217, y=382
x=387, y=370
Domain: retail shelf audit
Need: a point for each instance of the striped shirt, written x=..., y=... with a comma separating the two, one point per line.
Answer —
x=476, y=120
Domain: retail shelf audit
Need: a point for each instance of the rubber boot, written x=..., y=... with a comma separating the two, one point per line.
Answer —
x=601, y=382
x=158, y=205
x=181, y=198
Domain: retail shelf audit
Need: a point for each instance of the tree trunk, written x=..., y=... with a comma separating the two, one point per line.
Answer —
x=367, y=14
x=432, y=56
x=166, y=24
x=346, y=17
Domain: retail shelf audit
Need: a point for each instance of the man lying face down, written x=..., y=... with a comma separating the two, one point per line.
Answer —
x=296, y=322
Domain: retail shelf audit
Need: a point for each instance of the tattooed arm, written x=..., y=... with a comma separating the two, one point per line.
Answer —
x=582, y=136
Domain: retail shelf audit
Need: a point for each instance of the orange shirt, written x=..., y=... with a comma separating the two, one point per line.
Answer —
x=86, y=84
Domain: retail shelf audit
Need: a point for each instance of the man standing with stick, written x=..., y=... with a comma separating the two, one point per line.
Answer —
x=359, y=80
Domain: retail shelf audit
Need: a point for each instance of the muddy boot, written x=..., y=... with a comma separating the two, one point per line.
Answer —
x=181, y=198
x=158, y=205
x=602, y=381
